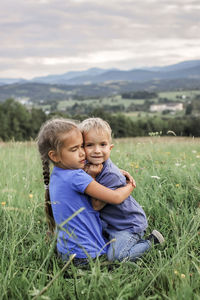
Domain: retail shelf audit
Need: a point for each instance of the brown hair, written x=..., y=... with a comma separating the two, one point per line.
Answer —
x=49, y=138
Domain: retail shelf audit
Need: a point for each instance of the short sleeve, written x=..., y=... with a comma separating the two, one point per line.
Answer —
x=80, y=180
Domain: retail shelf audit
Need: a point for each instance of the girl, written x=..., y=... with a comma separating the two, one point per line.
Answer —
x=61, y=142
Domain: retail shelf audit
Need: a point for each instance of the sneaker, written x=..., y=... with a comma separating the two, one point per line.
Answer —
x=156, y=237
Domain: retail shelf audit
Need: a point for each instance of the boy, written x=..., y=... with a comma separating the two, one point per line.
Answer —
x=125, y=222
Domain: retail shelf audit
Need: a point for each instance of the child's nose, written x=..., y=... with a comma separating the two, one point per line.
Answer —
x=82, y=152
x=97, y=149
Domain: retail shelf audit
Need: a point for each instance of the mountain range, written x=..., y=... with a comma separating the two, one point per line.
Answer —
x=186, y=69
x=97, y=82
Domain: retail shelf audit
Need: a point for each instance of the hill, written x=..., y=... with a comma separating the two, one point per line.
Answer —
x=100, y=83
x=186, y=69
x=40, y=92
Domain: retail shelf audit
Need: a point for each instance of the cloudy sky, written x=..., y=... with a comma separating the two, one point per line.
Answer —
x=41, y=37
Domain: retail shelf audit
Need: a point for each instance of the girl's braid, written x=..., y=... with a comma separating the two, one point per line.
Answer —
x=48, y=208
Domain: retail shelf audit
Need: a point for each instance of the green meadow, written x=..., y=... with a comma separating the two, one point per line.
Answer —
x=167, y=174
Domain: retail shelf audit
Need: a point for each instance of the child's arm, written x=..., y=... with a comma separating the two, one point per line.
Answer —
x=93, y=171
x=96, y=190
x=128, y=177
x=97, y=204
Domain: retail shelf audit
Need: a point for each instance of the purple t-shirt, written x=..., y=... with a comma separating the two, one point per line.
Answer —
x=128, y=215
x=83, y=233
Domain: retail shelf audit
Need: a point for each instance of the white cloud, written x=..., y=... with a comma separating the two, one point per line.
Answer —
x=48, y=36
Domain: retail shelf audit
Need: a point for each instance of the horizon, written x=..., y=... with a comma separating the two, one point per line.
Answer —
x=108, y=69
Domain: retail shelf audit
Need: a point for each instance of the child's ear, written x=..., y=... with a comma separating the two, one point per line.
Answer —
x=53, y=156
x=111, y=146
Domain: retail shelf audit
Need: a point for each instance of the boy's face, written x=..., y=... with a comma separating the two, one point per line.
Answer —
x=97, y=146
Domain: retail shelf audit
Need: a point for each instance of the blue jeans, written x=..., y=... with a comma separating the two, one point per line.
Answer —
x=128, y=246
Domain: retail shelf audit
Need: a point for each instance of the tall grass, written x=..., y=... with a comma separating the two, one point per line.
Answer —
x=167, y=174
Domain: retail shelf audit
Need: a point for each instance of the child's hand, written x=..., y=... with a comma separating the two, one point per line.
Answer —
x=129, y=177
x=131, y=185
x=93, y=170
x=97, y=204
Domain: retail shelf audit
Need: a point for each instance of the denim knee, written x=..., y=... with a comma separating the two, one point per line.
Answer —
x=128, y=246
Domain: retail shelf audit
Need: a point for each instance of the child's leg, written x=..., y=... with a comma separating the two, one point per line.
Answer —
x=128, y=246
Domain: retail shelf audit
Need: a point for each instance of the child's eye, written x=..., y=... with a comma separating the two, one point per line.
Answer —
x=103, y=144
x=88, y=145
x=74, y=149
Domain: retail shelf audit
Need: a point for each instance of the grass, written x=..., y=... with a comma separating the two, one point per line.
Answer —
x=166, y=171
x=185, y=95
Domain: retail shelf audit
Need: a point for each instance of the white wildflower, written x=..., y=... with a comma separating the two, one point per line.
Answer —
x=156, y=177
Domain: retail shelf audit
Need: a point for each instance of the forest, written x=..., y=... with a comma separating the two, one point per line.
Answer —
x=20, y=123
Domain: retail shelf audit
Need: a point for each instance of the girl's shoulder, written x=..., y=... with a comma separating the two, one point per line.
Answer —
x=60, y=170
x=69, y=173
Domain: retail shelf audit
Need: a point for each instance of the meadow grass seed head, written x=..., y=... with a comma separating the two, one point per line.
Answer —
x=171, y=132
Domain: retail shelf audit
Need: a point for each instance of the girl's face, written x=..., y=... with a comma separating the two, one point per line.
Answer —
x=71, y=154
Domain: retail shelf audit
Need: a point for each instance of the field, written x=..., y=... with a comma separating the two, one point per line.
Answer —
x=166, y=170
x=117, y=100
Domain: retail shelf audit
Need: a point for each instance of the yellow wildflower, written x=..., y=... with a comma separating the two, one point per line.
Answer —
x=182, y=275
x=177, y=185
x=30, y=196
x=3, y=203
x=175, y=272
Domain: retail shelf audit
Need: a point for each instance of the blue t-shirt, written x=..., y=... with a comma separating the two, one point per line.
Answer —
x=128, y=215
x=83, y=233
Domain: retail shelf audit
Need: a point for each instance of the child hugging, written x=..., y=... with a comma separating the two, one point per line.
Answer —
x=126, y=221
x=68, y=189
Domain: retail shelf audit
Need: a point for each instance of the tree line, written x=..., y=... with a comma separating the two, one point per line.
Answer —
x=20, y=123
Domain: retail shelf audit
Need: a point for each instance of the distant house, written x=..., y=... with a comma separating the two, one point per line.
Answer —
x=22, y=100
x=168, y=106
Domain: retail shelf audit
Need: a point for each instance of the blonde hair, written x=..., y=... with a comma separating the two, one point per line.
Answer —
x=97, y=124
x=49, y=138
